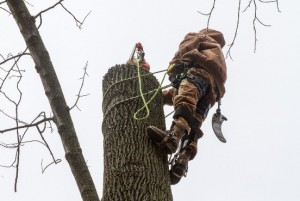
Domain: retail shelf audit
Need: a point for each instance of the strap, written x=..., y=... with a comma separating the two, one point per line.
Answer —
x=164, y=140
x=200, y=82
x=184, y=112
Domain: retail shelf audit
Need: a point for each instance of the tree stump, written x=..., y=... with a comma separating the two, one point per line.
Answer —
x=134, y=168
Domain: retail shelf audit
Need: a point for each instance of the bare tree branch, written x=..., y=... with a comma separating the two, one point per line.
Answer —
x=209, y=14
x=254, y=25
x=79, y=95
x=28, y=125
x=255, y=18
x=53, y=91
x=16, y=60
x=10, y=73
x=3, y=2
x=5, y=10
x=53, y=162
x=272, y=1
x=17, y=125
x=9, y=146
x=47, y=9
x=20, y=141
x=13, y=57
x=78, y=22
x=235, y=33
x=13, y=118
x=28, y=3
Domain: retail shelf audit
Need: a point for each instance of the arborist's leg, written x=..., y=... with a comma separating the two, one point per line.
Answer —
x=194, y=111
x=184, y=102
x=188, y=146
x=188, y=151
x=167, y=140
x=185, y=107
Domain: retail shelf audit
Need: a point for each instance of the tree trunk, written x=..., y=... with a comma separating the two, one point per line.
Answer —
x=134, y=168
x=56, y=98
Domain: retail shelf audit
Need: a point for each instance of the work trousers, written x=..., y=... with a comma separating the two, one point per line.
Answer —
x=190, y=97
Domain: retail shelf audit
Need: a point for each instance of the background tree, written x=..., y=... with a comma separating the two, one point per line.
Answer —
x=53, y=91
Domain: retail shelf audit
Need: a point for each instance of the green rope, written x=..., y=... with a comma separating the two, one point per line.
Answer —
x=129, y=99
x=146, y=103
x=130, y=78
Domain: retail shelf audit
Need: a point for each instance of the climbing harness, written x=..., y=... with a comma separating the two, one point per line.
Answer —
x=175, y=80
x=182, y=74
x=217, y=120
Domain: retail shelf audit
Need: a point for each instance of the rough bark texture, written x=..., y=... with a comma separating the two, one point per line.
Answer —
x=134, y=168
x=56, y=98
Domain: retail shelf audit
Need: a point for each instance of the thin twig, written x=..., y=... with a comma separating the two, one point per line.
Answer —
x=17, y=125
x=255, y=18
x=13, y=118
x=209, y=14
x=53, y=162
x=3, y=2
x=27, y=125
x=8, y=146
x=5, y=10
x=47, y=9
x=78, y=22
x=79, y=95
x=28, y=3
x=13, y=57
x=236, y=31
x=11, y=69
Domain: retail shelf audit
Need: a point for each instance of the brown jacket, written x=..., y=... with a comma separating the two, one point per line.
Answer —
x=204, y=50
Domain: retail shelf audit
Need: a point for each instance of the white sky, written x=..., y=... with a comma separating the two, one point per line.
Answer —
x=260, y=161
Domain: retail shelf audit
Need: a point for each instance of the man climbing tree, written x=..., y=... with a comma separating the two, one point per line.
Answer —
x=197, y=73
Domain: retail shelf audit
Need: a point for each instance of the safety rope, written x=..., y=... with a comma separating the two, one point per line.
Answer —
x=146, y=103
x=129, y=99
x=127, y=79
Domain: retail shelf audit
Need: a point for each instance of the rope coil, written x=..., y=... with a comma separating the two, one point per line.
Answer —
x=141, y=93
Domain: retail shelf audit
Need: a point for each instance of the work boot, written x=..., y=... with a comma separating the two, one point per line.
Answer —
x=179, y=166
x=166, y=140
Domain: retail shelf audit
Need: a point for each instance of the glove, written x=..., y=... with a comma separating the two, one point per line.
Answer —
x=145, y=65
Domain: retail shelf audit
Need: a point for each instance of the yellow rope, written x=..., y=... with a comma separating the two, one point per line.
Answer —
x=143, y=98
x=129, y=99
x=146, y=103
x=130, y=78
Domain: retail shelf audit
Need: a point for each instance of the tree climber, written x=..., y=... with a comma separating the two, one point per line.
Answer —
x=197, y=73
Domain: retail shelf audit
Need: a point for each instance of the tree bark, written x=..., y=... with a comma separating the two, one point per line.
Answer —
x=134, y=168
x=63, y=120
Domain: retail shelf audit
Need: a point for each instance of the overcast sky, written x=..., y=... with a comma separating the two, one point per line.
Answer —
x=260, y=161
